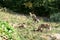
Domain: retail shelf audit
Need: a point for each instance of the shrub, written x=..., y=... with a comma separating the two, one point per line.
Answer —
x=8, y=31
x=55, y=17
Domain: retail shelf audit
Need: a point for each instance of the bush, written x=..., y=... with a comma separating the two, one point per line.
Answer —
x=7, y=31
x=55, y=17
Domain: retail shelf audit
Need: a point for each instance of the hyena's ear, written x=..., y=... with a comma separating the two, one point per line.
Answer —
x=30, y=14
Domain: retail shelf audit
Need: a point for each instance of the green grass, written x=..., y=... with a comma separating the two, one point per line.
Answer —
x=23, y=33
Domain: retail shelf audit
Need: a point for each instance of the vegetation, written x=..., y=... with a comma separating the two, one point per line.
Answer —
x=40, y=7
x=12, y=15
x=7, y=32
x=55, y=17
x=24, y=33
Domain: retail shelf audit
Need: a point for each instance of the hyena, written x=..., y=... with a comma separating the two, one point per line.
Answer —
x=42, y=26
x=34, y=17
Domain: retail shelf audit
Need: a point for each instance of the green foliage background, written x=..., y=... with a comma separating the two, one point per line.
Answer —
x=41, y=7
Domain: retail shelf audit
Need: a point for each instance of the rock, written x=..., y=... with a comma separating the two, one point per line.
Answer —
x=51, y=36
x=0, y=38
x=57, y=36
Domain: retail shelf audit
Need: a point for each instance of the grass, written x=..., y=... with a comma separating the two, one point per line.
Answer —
x=26, y=33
